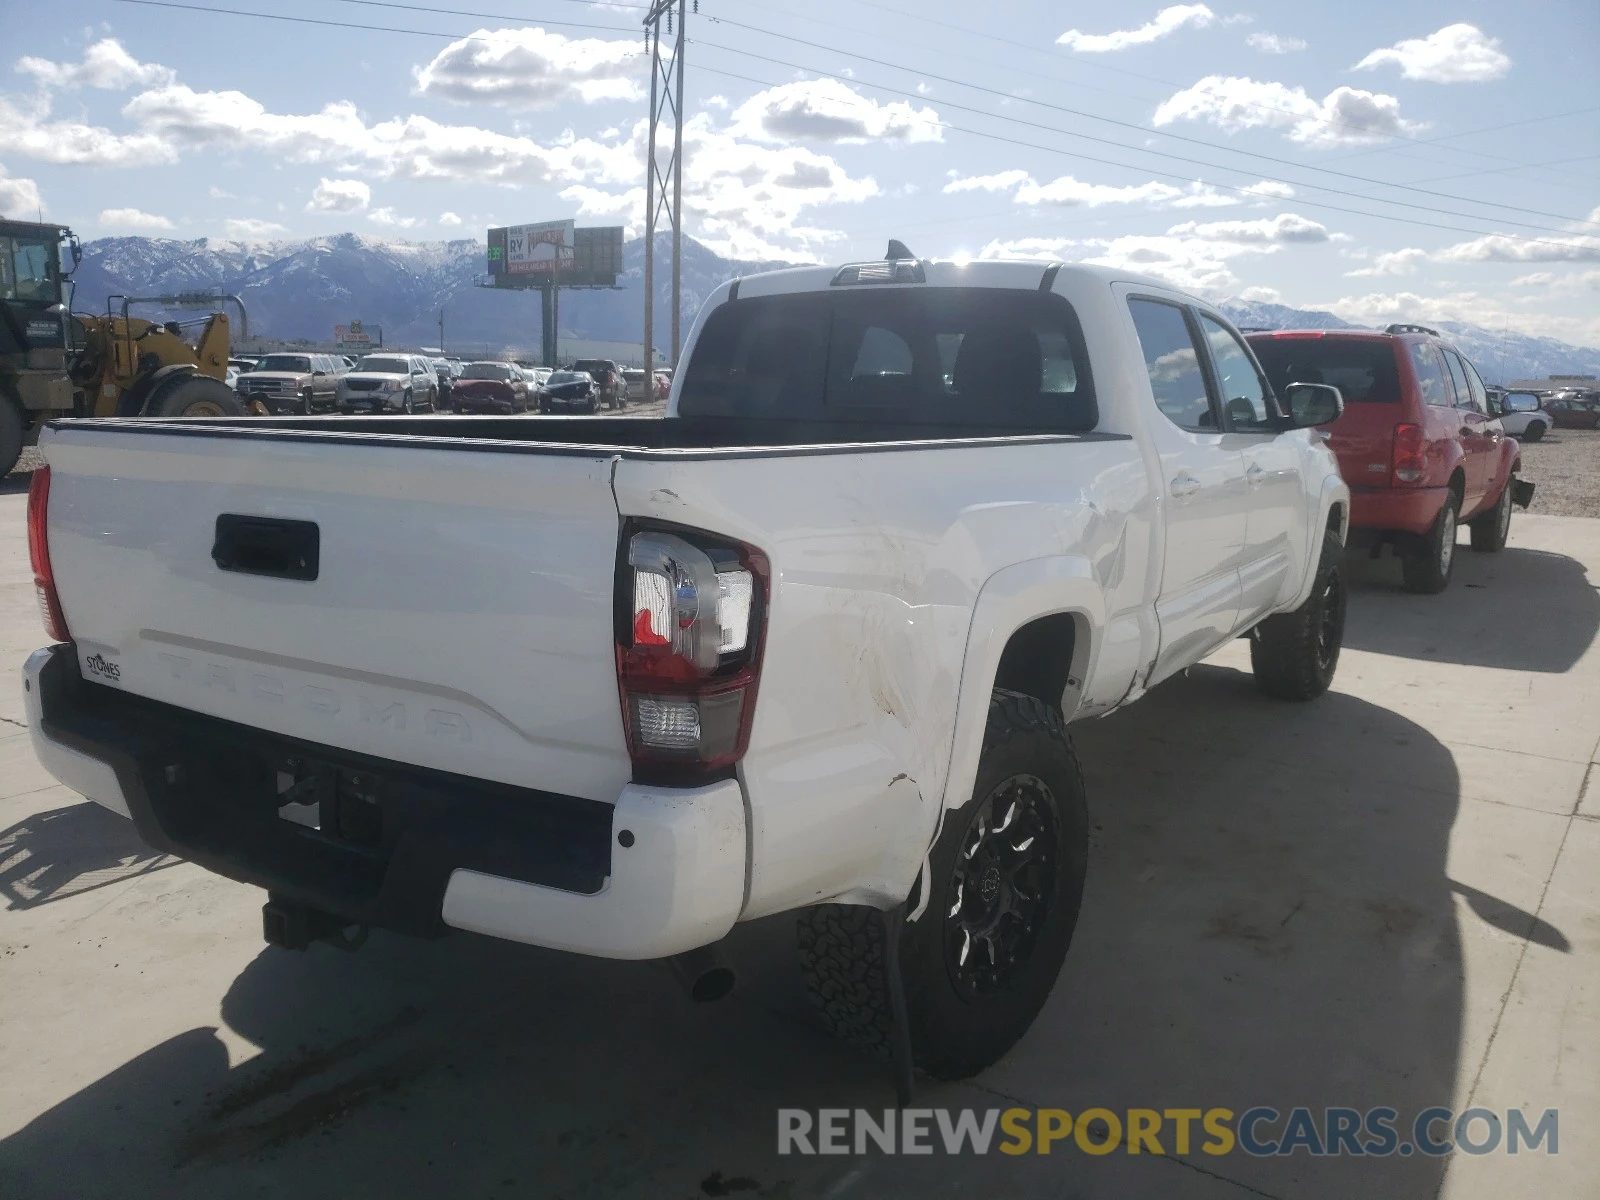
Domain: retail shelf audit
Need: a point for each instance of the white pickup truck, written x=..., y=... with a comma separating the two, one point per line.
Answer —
x=612, y=685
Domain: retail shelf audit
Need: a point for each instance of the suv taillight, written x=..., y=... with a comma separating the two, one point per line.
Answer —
x=690, y=624
x=1410, y=459
x=44, y=579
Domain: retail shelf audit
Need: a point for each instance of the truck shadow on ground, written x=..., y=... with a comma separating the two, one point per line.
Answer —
x=68, y=851
x=1268, y=922
x=1520, y=609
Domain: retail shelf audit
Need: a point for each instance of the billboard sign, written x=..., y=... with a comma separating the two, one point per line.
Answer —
x=355, y=336
x=543, y=249
x=555, y=252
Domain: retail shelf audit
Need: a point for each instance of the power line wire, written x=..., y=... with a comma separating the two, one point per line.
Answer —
x=1144, y=129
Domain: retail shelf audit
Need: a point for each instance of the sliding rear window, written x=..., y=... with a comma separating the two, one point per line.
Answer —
x=937, y=356
x=1362, y=369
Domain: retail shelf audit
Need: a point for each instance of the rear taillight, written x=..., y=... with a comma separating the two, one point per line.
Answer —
x=1410, y=459
x=690, y=624
x=44, y=579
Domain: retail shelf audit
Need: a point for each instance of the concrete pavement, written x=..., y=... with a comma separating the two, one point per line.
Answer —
x=1387, y=897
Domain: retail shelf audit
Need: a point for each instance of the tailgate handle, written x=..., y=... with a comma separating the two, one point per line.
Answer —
x=267, y=546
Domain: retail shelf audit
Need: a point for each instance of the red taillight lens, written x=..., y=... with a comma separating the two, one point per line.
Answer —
x=691, y=620
x=1410, y=459
x=44, y=580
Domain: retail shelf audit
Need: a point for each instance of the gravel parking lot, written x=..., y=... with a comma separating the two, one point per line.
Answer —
x=1565, y=464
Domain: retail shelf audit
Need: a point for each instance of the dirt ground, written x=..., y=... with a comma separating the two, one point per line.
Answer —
x=1565, y=467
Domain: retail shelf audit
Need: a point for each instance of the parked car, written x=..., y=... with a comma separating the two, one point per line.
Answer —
x=1569, y=413
x=809, y=681
x=640, y=390
x=609, y=385
x=389, y=383
x=290, y=383
x=492, y=387
x=1522, y=414
x=446, y=372
x=569, y=390
x=1417, y=443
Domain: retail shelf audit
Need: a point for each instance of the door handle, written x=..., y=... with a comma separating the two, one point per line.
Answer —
x=1184, y=486
x=1255, y=475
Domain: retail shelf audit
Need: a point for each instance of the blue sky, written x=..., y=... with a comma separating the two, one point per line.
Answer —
x=1195, y=141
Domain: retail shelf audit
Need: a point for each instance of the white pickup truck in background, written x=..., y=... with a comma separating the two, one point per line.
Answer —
x=613, y=685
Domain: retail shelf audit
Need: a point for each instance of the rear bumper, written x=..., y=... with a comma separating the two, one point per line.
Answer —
x=659, y=872
x=1399, y=510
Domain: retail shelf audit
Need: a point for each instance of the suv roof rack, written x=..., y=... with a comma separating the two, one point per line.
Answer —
x=1404, y=328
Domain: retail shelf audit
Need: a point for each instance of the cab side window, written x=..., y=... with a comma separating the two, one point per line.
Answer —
x=1246, y=407
x=1480, y=394
x=1173, y=362
x=1431, y=379
x=1458, y=377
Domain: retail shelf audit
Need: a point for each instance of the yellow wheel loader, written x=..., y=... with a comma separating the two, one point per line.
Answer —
x=56, y=363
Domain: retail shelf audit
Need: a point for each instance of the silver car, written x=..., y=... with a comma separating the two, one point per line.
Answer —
x=389, y=383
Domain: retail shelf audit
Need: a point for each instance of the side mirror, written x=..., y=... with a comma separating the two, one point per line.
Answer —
x=1519, y=402
x=1312, y=404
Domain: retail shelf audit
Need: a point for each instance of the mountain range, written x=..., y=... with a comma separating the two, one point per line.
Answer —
x=299, y=290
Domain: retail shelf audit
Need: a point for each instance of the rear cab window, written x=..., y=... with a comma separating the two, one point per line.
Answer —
x=1363, y=369
x=943, y=356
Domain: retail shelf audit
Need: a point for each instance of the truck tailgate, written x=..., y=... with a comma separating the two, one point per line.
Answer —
x=460, y=617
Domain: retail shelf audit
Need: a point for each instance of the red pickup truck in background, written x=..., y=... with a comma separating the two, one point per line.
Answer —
x=1419, y=442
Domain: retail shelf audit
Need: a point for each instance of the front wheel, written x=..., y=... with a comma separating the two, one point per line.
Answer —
x=1295, y=654
x=1427, y=568
x=1491, y=530
x=1006, y=881
x=408, y=405
x=1533, y=432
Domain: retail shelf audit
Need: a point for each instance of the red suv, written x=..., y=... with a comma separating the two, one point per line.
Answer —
x=1419, y=443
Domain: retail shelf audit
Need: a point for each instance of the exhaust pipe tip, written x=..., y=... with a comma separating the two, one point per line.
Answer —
x=704, y=973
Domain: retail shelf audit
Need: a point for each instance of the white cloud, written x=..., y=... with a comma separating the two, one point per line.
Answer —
x=1490, y=311
x=1454, y=54
x=19, y=198
x=1275, y=43
x=411, y=147
x=1167, y=21
x=1393, y=262
x=1262, y=295
x=251, y=227
x=1279, y=230
x=218, y=194
x=339, y=196
x=132, y=218
x=105, y=65
x=1501, y=247
x=1345, y=116
x=532, y=68
x=449, y=218
x=1070, y=192
x=390, y=219
x=1034, y=247
x=29, y=131
x=745, y=200
x=1551, y=281
x=827, y=110
x=1269, y=189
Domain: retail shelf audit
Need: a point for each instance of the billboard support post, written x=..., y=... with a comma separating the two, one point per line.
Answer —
x=664, y=189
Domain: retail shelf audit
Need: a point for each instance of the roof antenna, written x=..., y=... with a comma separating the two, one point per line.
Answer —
x=897, y=249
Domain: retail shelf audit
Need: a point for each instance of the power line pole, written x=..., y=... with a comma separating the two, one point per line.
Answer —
x=664, y=189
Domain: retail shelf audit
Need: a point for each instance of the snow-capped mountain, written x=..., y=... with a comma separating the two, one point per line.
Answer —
x=302, y=289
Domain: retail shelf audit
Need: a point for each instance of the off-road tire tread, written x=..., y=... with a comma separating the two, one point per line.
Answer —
x=1283, y=648
x=842, y=946
x=1420, y=569
x=1486, y=531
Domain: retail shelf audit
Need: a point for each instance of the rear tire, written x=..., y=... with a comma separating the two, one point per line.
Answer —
x=1491, y=530
x=965, y=1013
x=194, y=396
x=408, y=405
x=1533, y=432
x=1428, y=567
x=11, y=431
x=1295, y=654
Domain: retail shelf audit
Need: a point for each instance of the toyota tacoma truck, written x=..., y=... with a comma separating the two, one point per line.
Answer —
x=810, y=644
